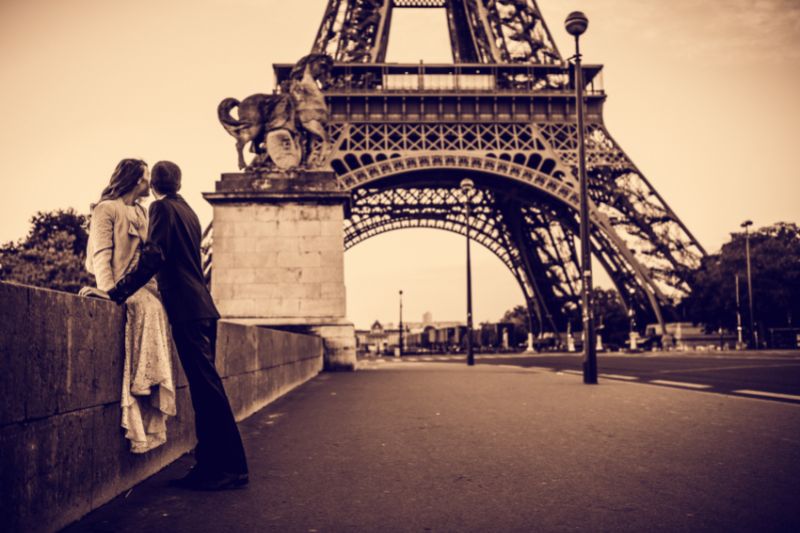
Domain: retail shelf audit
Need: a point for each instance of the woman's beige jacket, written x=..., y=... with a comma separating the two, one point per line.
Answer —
x=114, y=240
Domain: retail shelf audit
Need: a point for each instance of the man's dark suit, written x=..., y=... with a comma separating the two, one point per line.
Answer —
x=172, y=251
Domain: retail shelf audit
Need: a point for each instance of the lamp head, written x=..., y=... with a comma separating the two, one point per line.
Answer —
x=466, y=185
x=576, y=23
x=746, y=223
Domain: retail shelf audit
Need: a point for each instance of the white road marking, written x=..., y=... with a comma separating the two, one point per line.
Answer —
x=749, y=392
x=680, y=384
x=619, y=376
x=715, y=368
x=573, y=372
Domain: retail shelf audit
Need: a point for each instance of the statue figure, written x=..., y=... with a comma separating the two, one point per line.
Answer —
x=287, y=129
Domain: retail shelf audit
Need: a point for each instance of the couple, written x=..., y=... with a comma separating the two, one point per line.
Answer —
x=127, y=247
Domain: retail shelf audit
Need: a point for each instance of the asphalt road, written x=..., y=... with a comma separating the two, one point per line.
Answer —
x=770, y=375
x=442, y=447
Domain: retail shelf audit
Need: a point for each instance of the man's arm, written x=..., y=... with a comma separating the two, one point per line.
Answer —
x=154, y=252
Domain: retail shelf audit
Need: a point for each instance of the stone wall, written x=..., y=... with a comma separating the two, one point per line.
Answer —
x=62, y=450
x=279, y=260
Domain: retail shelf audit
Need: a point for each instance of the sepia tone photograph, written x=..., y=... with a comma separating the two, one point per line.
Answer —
x=399, y=265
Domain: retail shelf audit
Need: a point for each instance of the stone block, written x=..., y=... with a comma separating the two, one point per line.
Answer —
x=308, y=212
x=14, y=346
x=331, y=212
x=285, y=212
x=312, y=275
x=59, y=452
x=339, y=345
x=266, y=213
x=299, y=259
x=243, y=393
x=16, y=468
x=286, y=275
x=266, y=347
x=326, y=243
x=332, y=290
x=232, y=213
x=323, y=307
x=47, y=352
x=277, y=243
x=308, y=228
x=302, y=291
x=237, y=349
x=238, y=308
x=258, y=291
x=241, y=245
x=332, y=227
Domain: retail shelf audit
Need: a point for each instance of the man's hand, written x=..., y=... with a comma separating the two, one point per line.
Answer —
x=93, y=292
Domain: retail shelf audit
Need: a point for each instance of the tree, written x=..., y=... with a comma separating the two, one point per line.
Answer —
x=519, y=317
x=775, y=267
x=611, y=317
x=52, y=255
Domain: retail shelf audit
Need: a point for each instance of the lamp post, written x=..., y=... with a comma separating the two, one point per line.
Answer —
x=632, y=331
x=401, y=324
x=467, y=185
x=753, y=333
x=576, y=25
x=739, y=341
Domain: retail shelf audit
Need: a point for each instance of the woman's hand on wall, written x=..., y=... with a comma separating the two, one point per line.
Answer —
x=93, y=292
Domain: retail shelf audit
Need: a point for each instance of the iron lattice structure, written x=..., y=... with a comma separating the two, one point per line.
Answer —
x=503, y=114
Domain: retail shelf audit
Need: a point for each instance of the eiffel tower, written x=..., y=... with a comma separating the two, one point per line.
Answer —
x=502, y=114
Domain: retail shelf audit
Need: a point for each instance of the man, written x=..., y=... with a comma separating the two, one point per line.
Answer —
x=172, y=252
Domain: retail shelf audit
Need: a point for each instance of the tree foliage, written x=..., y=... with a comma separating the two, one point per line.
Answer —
x=775, y=268
x=52, y=255
x=611, y=318
x=519, y=317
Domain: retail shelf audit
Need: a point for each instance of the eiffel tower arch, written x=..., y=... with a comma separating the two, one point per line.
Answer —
x=503, y=114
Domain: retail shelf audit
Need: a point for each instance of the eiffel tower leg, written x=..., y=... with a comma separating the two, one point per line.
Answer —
x=512, y=214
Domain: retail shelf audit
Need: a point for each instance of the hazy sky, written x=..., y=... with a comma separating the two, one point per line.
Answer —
x=703, y=95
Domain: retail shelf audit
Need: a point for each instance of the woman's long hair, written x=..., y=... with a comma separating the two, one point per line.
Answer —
x=123, y=180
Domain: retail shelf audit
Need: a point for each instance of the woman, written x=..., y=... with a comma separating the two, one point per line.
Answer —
x=117, y=229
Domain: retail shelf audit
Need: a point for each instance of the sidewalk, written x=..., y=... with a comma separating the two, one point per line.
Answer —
x=443, y=447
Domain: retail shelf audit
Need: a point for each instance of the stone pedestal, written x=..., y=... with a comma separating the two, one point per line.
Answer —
x=278, y=256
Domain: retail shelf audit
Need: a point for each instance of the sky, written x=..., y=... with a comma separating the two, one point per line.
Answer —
x=702, y=95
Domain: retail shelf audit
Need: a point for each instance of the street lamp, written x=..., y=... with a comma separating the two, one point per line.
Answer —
x=754, y=334
x=401, y=323
x=632, y=331
x=467, y=186
x=576, y=25
x=739, y=341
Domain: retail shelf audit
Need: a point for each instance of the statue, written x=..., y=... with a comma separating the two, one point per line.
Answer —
x=287, y=129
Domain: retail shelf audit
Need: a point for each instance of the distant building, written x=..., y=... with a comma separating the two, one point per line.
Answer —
x=429, y=336
x=688, y=336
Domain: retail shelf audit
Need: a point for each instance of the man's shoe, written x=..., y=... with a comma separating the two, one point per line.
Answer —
x=221, y=482
x=193, y=477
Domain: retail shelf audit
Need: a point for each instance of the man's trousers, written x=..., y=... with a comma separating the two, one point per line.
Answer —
x=219, y=445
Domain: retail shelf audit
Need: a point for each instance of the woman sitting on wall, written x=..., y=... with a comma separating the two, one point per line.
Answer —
x=117, y=229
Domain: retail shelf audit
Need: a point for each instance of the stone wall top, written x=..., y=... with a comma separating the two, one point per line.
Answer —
x=312, y=185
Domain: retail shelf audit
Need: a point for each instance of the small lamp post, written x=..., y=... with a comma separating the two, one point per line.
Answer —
x=753, y=333
x=467, y=186
x=632, y=330
x=576, y=24
x=401, y=324
x=739, y=340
